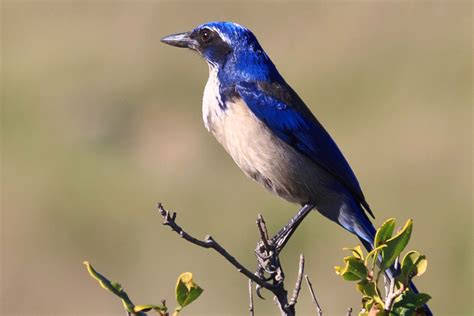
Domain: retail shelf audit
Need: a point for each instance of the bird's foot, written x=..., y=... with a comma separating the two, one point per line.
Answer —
x=284, y=234
x=268, y=249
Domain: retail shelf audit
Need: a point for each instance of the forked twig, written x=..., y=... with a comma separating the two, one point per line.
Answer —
x=267, y=253
x=169, y=219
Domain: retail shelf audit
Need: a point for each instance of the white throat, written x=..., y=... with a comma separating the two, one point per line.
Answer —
x=211, y=111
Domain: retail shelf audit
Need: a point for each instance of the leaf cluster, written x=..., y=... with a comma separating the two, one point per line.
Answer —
x=384, y=259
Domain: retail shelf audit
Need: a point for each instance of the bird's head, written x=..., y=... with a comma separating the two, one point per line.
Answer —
x=228, y=46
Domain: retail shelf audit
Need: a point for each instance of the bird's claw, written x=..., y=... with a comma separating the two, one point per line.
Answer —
x=257, y=290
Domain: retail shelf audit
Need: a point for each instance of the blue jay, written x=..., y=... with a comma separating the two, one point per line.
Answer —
x=268, y=130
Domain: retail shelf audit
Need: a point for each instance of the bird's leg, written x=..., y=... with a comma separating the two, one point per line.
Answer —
x=268, y=249
x=281, y=238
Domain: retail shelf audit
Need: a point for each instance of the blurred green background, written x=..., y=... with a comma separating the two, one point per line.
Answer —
x=100, y=121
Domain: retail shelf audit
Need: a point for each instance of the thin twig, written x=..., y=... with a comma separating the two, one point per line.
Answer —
x=349, y=311
x=169, y=219
x=392, y=295
x=163, y=303
x=313, y=296
x=267, y=253
x=251, y=298
x=386, y=285
x=299, y=279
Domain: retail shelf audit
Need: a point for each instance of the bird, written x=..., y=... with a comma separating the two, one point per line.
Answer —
x=268, y=130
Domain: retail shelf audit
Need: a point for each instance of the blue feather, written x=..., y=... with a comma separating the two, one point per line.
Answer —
x=293, y=123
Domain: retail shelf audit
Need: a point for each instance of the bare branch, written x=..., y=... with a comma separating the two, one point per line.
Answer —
x=392, y=294
x=313, y=296
x=299, y=280
x=386, y=284
x=349, y=311
x=169, y=219
x=269, y=273
x=251, y=299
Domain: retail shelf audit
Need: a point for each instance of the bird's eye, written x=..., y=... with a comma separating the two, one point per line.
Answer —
x=205, y=35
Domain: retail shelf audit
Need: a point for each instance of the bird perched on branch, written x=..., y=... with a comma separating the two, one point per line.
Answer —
x=268, y=130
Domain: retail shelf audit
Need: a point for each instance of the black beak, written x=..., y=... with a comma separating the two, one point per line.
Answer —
x=180, y=40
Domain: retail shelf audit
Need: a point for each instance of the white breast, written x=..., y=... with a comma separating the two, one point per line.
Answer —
x=257, y=151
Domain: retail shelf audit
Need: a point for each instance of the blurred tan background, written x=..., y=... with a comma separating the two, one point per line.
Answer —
x=100, y=121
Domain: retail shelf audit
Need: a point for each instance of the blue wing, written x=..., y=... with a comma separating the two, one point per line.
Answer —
x=281, y=109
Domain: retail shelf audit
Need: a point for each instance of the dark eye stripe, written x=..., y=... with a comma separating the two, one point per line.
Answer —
x=211, y=43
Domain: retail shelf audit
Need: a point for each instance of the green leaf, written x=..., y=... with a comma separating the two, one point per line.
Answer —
x=354, y=269
x=356, y=252
x=421, y=265
x=396, y=244
x=111, y=286
x=346, y=275
x=380, y=311
x=143, y=308
x=371, y=307
x=146, y=308
x=413, y=264
x=368, y=288
x=349, y=276
x=409, y=302
x=422, y=299
x=357, y=267
x=384, y=232
x=116, y=286
x=373, y=254
x=186, y=290
x=367, y=302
